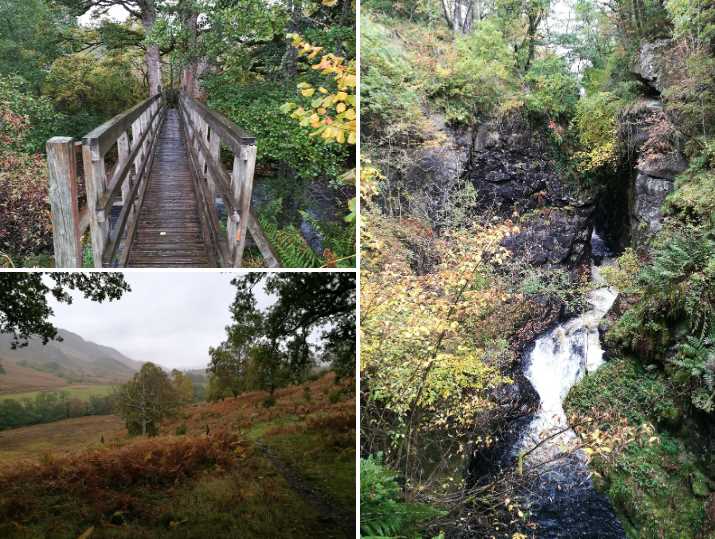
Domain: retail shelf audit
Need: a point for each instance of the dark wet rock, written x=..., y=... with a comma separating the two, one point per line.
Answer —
x=565, y=504
x=664, y=165
x=555, y=237
x=515, y=179
x=312, y=235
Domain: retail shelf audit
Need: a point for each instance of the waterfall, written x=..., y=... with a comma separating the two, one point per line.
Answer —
x=564, y=502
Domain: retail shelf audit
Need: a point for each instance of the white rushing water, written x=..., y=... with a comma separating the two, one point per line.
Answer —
x=559, y=360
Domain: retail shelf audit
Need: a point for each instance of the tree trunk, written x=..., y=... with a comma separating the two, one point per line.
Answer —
x=152, y=56
x=289, y=61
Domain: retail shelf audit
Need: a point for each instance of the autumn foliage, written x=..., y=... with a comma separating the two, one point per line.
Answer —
x=155, y=461
x=25, y=226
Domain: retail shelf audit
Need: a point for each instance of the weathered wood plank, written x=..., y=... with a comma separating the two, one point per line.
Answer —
x=94, y=178
x=103, y=137
x=66, y=230
x=124, y=166
x=128, y=215
x=168, y=230
x=243, y=168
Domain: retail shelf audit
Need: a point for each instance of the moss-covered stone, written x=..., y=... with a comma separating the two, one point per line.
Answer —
x=657, y=488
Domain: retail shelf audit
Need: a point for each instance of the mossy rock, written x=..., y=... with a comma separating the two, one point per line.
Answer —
x=699, y=484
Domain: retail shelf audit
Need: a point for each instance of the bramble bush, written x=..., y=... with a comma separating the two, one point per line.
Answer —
x=25, y=226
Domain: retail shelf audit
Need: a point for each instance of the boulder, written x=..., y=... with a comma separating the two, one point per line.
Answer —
x=663, y=165
x=554, y=237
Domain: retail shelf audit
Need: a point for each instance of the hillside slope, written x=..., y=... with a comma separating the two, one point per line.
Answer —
x=241, y=469
x=73, y=360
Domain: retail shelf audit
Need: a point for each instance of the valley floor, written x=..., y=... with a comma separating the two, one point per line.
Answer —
x=241, y=469
x=59, y=437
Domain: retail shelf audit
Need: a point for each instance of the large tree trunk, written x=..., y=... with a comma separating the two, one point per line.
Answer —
x=152, y=56
x=191, y=73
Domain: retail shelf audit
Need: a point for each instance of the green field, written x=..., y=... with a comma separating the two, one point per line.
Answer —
x=78, y=391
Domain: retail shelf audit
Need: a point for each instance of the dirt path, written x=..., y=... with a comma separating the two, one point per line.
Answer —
x=343, y=524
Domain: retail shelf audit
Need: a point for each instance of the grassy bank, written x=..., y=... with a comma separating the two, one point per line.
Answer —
x=79, y=391
x=648, y=470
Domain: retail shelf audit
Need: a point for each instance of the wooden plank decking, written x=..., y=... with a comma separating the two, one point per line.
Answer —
x=169, y=232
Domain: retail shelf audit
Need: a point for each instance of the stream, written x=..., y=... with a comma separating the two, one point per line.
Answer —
x=563, y=500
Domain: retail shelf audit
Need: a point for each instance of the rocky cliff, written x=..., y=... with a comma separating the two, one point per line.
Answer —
x=654, y=145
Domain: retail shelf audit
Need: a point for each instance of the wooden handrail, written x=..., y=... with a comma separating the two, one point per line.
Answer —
x=205, y=131
x=231, y=135
x=102, y=138
x=128, y=180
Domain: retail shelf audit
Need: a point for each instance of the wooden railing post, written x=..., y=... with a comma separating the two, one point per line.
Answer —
x=95, y=180
x=244, y=165
x=123, y=156
x=62, y=168
x=215, y=153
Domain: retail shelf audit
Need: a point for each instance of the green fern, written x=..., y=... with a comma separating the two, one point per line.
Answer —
x=383, y=513
x=339, y=239
x=696, y=356
x=290, y=245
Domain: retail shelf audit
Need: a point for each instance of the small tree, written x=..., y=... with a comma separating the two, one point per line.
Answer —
x=183, y=385
x=270, y=368
x=147, y=399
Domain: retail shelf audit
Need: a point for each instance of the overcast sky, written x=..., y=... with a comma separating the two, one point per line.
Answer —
x=115, y=13
x=168, y=318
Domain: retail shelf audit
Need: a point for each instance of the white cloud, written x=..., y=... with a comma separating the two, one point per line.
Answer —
x=169, y=318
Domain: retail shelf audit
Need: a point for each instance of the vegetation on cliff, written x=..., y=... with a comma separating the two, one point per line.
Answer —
x=437, y=360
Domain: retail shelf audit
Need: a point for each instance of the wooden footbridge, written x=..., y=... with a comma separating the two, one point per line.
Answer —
x=152, y=186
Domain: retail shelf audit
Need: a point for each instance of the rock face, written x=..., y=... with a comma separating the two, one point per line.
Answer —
x=434, y=173
x=647, y=216
x=660, y=64
x=515, y=179
x=652, y=140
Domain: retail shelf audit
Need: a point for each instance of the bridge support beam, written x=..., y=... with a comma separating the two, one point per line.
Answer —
x=62, y=174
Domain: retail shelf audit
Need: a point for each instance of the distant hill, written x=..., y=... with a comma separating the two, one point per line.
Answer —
x=73, y=360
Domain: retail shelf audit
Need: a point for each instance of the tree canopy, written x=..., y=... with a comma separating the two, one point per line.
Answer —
x=24, y=309
x=267, y=347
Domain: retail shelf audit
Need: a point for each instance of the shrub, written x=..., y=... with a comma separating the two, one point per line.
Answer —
x=269, y=401
x=595, y=123
x=35, y=119
x=383, y=512
x=390, y=90
x=623, y=274
x=25, y=226
x=480, y=79
x=553, y=89
x=694, y=196
x=280, y=140
x=91, y=89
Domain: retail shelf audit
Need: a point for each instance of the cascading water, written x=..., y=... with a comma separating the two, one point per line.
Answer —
x=563, y=501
